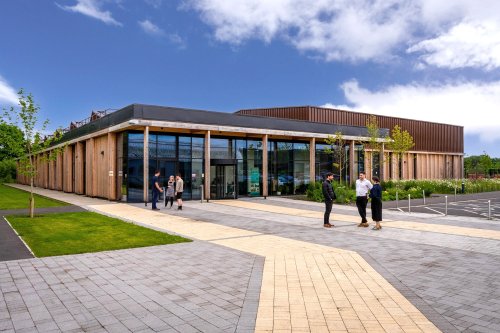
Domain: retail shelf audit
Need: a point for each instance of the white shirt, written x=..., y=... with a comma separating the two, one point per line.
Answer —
x=362, y=187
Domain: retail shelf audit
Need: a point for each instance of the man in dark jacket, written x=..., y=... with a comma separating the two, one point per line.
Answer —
x=329, y=195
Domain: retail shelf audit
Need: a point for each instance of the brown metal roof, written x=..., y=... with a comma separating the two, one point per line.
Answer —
x=428, y=136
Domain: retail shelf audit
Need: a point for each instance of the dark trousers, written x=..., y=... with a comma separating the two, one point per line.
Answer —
x=361, y=203
x=155, y=198
x=328, y=210
x=169, y=199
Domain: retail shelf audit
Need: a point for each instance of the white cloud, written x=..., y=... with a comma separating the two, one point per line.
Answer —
x=467, y=44
x=92, y=8
x=154, y=3
x=336, y=29
x=359, y=30
x=472, y=105
x=7, y=93
x=151, y=28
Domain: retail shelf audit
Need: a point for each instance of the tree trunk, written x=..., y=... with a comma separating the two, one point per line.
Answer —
x=32, y=199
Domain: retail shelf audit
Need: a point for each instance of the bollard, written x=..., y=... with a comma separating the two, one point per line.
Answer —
x=455, y=194
x=463, y=187
x=489, y=209
x=397, y=200
x=201, y=188
x=446, y=205
x=409, y=203
x=423, y=195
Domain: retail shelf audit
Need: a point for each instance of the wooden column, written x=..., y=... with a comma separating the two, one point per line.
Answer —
x=352, y=172
x=404, y=166
x=265, y=167
x=59, y=172
x=207, y=165
x=89, y=167
x=68, y=169
x=368, y=163
x=46, y=171
x=312, y=160
x=112, y=166
x=381, y=162
x=146, y=164
x=52, y=172
x=79, y=169
x=462, y=172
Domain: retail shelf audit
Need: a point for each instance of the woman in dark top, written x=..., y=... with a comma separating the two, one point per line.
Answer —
x=376, y=196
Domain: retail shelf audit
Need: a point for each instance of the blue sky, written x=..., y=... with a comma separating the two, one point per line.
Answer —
x=419, y=59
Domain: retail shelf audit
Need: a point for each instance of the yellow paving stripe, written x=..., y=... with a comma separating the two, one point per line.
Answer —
x=305, y=287
x=409, y=225
x=445, y=229
x=286, y=210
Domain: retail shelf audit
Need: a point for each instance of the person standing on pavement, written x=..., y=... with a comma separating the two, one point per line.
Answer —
x=363, y=187
x=179, y=188
x=169, y=196
x=329, y=195
x=376, y=196
x=156, y=189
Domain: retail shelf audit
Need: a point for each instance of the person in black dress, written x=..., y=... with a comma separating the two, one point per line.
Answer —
x=376, y=196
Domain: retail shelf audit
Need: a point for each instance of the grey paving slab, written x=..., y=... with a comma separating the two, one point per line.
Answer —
x=438, y=273
x=159, y=289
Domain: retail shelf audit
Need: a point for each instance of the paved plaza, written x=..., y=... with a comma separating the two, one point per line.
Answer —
x=265, y=266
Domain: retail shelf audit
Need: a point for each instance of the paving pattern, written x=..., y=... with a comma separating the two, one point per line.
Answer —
x=428, y=275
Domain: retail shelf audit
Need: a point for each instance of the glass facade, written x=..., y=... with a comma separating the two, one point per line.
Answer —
x=235, y=167
x=376, y=163
x=327, y=161
x=169, y=153
x=288, y=167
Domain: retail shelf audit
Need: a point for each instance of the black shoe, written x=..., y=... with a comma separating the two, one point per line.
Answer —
x=156, y=208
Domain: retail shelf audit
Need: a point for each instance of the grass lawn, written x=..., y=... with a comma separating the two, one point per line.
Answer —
x=13, y=198
x=71, y=233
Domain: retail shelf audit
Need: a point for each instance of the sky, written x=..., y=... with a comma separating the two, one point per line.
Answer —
x=421, y=59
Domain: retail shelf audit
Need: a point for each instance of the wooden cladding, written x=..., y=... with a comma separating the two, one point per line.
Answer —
x=87, y=167
x=431, y=137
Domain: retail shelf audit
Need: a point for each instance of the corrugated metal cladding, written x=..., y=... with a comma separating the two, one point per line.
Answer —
x=432, y=137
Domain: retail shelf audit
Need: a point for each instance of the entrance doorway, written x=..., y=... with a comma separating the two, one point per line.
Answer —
x=223, y=183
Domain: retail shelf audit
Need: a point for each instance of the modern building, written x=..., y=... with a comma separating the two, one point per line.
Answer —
x=261, y=152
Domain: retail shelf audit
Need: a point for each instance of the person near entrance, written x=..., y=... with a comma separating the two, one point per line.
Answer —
x=329, y=195
x=156, y=189
x=169, y=196
x=179, y=188
x=363, y=187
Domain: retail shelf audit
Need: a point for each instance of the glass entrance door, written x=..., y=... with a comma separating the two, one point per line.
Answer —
x=223, y=182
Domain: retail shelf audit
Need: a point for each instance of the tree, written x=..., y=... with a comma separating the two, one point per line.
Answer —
x=373, y=143
x=26, y=114
x=11, y=138
x=399, y=142
x=337, y=143
x=485, y=163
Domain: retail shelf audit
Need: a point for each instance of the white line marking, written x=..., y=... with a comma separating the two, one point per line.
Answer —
x=434, y=211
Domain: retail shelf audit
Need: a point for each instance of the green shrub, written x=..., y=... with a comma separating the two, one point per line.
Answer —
x=7, y=171
x=343, y=193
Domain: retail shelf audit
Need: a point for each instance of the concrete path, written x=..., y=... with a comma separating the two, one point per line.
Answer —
x=11, y=246
x=294, y=275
